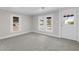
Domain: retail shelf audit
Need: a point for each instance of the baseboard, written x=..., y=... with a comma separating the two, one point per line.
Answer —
x=54, y=36
x=48, y=34
x=13, y=35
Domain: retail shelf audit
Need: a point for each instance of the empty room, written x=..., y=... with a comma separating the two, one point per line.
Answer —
x=39, y=29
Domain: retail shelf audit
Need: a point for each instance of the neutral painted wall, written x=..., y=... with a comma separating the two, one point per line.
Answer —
x=68, y=31
x=77, y=25
x=30, y=24
x=55, y=19
x=5, y=23
x=59, y=28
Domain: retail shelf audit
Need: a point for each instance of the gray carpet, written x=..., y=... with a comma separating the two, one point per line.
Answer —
x=37, y=42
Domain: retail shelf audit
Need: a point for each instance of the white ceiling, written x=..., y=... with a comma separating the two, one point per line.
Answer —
x=29, y=10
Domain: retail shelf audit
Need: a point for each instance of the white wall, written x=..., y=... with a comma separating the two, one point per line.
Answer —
x=59, y=31
x=30, y=24
x=68, y=31
x=5, y=18
x=55, y=19
x=77, y=25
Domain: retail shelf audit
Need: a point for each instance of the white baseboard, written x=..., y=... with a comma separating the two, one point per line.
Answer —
x=48, y=34
x=13, y=35
x=53, y=35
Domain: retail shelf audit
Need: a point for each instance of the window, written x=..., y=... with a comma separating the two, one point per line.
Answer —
x=42, y=24
x=49, y=24
x=15, y=24
x=46, y=24
x=69, y=19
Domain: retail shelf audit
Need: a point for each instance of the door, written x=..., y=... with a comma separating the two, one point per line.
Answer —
x=69, y=23
x=41, y=25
